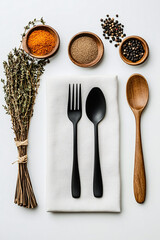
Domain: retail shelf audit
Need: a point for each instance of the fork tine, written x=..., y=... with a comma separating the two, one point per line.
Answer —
x=80, y=98
x=76, y=96
x=73, y=97
x=69, y=97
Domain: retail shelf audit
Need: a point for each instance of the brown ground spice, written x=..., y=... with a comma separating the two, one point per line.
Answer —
x=41, y=42
x=84, y=50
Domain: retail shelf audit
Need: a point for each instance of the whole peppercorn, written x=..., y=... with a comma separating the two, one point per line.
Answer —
x=112, y=29
x=133, y=50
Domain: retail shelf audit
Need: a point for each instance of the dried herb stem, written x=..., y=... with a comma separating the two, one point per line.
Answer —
x=20, y=89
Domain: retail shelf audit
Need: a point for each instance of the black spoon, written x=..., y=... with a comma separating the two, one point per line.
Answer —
x=95, y=110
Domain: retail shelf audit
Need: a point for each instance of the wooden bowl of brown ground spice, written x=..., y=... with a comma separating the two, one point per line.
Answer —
x=85, y=49
x=41, y=41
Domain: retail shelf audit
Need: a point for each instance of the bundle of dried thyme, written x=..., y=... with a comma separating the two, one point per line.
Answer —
x=20, y=89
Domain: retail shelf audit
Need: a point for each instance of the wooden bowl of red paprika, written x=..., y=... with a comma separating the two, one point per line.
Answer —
x=41, y=41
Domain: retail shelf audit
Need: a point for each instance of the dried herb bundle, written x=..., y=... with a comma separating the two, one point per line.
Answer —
x=20, y=89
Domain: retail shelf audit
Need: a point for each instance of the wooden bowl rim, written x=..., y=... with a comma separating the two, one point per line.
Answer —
x=99, y=44
x=146, y=48
x=25, y=39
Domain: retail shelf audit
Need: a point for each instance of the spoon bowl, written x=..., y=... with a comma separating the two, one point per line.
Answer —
x=95, y=105
x=137, y=92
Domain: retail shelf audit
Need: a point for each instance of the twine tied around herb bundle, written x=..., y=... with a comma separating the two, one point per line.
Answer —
x=21, y=143
x=24, y=158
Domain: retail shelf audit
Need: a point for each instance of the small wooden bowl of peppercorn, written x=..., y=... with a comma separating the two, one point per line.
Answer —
x=134, y=50
x=85, y=49
x=41, y=41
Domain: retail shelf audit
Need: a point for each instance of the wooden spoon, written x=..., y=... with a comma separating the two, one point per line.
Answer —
x=137, y=92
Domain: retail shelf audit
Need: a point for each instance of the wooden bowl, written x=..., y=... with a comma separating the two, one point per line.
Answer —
x=99, y=45
x=41, y=27
x=145, y=46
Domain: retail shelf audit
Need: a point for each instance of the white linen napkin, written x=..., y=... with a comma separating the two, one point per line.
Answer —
x=60, y=148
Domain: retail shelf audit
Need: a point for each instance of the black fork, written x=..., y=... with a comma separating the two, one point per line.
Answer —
x=74, y=114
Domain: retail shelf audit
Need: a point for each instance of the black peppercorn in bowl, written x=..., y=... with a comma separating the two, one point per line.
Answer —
x=134, y=50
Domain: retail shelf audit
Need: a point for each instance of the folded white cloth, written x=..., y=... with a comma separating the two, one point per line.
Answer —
x=60, y=145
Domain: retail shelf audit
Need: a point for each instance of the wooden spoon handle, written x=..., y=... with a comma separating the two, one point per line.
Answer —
x=139, y=170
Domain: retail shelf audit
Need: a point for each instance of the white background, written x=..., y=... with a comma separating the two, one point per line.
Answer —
x=140, y=222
